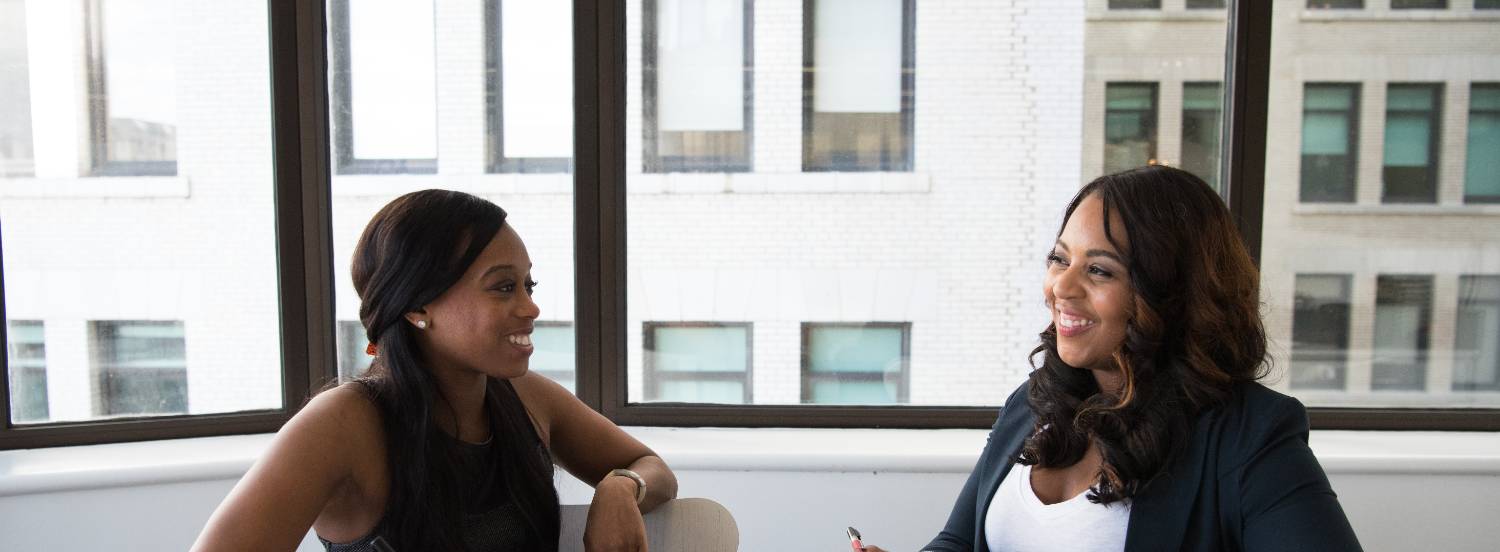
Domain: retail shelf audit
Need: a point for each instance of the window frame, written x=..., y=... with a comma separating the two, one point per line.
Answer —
x=100, y=163
x=652, y=378
x=1434, y=142
x=908, y=160
x=1218, y=111
x=652, y=162
x=903, y=386
x=1351, y=145
x=494, y=80
x=343, y=111
x=1493, y=87
x=301, y=147
x=1151, y=116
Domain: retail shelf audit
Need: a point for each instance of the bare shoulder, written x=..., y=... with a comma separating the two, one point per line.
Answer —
x=546, y=401
x=344, y=417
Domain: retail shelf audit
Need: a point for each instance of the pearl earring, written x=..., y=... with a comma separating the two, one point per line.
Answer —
x=421, y=324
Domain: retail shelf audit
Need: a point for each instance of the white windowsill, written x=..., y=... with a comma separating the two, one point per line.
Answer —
x=1486, y=209
x=37, y=471
x=141, y=187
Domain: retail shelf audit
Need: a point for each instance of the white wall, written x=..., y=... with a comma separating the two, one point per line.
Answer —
x=788, y=489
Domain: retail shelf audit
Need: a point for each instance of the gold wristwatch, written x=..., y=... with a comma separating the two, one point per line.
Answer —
x=640, y=482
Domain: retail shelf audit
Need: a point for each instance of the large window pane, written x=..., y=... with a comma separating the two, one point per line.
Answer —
x=384, y=86
x=140, y=242
x=858, y=86
x=1419, y=4
x=1482, y=173
x=1411, y=139
x=15, y=87
x=1369, y=255
x=133, y=86
x=1330, y=136
x=698, y=75
x=936, y=228
x=1476, y=348
x=1335, y=4
x=1134, y=4
x=1201, y=113
x=1129, y=125
x=494, y=80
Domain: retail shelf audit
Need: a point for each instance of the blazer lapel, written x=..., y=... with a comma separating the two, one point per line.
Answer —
x=1159, y=513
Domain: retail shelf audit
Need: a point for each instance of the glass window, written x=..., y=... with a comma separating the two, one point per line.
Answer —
x=352, y=350
x=133, y=87
x=1482, y=168
x=1204, y=4
x=1129, y=125
x=698, y=74
x=858, y=85
x=697, y=362
x=139, y=367
x=528, y=66
x=1335, y=4
x=1200, y=129
x=1403, y=323
x=1320, y=331
x=845, y=363
x=1330, y=133
x=1419, y=4
x=110, y=93
x=15, y=87
x=1487, y=4
x=555, y=354
x=1412, y=130
x=1476, y=350
x=1134, y=4
x=384, y=86
x=28, y=371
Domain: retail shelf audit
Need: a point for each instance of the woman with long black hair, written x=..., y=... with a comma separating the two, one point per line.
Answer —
x=447, y=442
x=1143, y=427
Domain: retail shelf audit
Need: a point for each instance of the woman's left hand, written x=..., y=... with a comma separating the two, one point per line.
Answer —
x=614, y=522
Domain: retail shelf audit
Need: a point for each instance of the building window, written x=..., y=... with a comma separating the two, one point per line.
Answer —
x=858, y=85
x=1205, y=4
x=697, y=81
x=139, y=367
x=1135, y=4
x=353, y=359
x=845, y=363
x=1129, y=125
x=697, y=362
x=132, y=96
x=1482, y=170
x=1330, y=132
x=1320, y=331
x=28, y=372
x=1419, y=4
x=1200, y=130
x=1412, y=129
x=16, y=156
x=1403, y=322
x=384, y=83
x=555, y=353
x=1335, y=4
x=529, y=86
x=1487, y=4
x=1476, y=355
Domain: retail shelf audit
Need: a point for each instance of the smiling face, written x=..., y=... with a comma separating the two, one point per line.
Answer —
x=483, y=323
x=1088, y=289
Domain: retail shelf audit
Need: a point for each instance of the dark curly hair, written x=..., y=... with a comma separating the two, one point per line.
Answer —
x=1195, y=331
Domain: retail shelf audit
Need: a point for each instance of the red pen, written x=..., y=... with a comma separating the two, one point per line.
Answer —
x=854, y=540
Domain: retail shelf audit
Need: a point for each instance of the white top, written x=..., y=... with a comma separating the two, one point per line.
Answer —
x=1018, y=521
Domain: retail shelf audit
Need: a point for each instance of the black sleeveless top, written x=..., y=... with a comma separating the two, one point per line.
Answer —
x=491, y=521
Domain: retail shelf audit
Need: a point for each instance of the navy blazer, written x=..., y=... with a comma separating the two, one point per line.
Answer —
x=1245, y=481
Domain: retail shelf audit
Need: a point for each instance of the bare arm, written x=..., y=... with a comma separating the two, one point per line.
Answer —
x=272, y=507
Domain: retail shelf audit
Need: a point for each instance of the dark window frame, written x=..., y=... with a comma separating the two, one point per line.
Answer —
x=1351, y=164
x=337, y=22
x=1207, y=4
x=651, y=159
x=1150, y=115
x=1397, y=5
x=103, y=358
x=1153, y=5
x=300, y=112
x=1493, y=385
x=45, y=407
x=809, y=377
x=494, y=98
x=652, y=378
x=100, y=163
x=907, y=161
x=1218, y=116
x=1295, y=356
x=1335, y=5
x=1434, y=143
